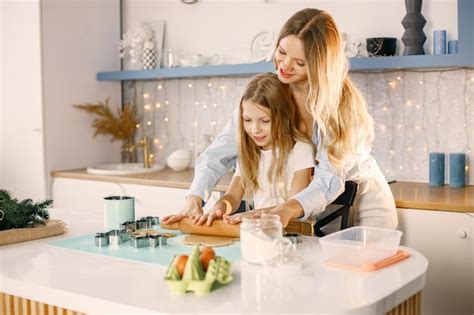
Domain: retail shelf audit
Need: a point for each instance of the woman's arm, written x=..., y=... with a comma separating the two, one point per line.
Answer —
x=226, y=205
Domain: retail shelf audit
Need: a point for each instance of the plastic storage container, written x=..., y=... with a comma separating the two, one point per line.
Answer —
x=359, y=247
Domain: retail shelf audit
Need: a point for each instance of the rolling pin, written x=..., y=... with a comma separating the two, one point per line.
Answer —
x=218, y=228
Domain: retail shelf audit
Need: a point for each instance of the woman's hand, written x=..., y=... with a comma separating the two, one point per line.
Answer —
x=208, y=217
x=192, y=208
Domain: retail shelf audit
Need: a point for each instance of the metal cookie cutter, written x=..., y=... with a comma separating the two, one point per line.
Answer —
x=101, y=239
x=153, y=220
x=139, y=241
x=115, y=238
x=144, y=224
x=129, y=226
x=157, y=240
x=295, y=238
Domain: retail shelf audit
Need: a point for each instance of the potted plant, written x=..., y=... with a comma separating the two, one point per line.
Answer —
x=120, y=126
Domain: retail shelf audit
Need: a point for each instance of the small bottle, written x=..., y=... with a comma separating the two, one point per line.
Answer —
x=257, y=238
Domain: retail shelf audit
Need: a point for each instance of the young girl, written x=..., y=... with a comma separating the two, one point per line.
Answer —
x=274, y=158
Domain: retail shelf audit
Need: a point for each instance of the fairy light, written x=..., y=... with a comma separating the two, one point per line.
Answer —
x=160, y=147
x=392, y=84
x=167, y=102
x=196, y=103
x=157, y=105
x=214, y=105
x=156, y=141
x=146, y=95
x=409, y=149
x=159, y=87
x=209, y=84
x=149, y=123
x=400, y=167
x=408, y=103
x=137, y=126
x=166, y=119
x=195, y=124
x=417, y=127
x=213, y=123
x=204, y=106
x=385, y=108
x=421, y=82
x=399, y=78
x=222, y=87
x=418, y=106
x=399, y=126
x=392, y=152
x=191, y=144
x=190, y=85
x=147, y=107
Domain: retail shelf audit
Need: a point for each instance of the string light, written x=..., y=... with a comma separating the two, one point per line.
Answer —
x=421, y=82
x=399, y=78
x=147, y=107
x=190, y=85
x=385, y=108
x=149, y=123
x=408, y=103
x=223, y=87
x=146, y=95
x=166, y=119
x=392, y=84
x=156, y=141
x=137, y=126
x=157, y=105
x=196, y=103
x=213, y=123
x=204, y=106
x=209, y=84
x=195, y=124
x=159, y=86
x=214, y=105
x=167, y=102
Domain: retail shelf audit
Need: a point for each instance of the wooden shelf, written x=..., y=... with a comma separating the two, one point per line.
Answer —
x=465, y=58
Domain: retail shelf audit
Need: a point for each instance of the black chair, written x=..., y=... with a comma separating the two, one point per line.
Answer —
x=345, y=201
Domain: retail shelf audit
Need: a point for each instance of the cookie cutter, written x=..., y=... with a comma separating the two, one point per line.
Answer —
x=139, y=241
x=129, y=226
x=101, y=239
x=144, y=224
x=116, y=237
x=157, y=240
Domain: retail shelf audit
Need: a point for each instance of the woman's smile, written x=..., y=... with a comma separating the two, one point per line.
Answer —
x=285, y=74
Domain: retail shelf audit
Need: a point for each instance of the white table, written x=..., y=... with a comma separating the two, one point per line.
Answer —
x=99, y=284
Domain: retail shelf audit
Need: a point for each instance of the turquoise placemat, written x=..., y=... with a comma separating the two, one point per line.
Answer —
x=161, y=256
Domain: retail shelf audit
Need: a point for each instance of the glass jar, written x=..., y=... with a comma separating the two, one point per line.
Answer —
x=257, y=238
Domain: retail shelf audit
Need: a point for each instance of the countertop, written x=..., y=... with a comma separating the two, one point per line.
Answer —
x=98, y=284
x=411, y=195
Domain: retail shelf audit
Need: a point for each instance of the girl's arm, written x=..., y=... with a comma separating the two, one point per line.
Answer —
x=226, y=205
x=301, y=179
x=211, y=165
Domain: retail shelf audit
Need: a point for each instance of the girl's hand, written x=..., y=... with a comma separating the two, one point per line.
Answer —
x=237, y=218
x=192, y=208
x=208, y=217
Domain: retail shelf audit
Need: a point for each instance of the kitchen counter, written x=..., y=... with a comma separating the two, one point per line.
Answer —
x=407, y=194
x=96, y=284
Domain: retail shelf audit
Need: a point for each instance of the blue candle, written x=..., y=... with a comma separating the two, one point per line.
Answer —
x=457, y=170
x=439, y=42
x=436, y=169
x=453, y=47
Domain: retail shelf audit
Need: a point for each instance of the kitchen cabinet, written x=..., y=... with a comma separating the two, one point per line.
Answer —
x=87, y=196
x=446, y=240
x=465, y=58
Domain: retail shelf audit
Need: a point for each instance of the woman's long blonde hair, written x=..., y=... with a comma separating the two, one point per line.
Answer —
x=267, y=91
x=336, y=105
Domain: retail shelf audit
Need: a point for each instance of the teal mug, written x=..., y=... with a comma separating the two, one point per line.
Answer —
x=117, y=210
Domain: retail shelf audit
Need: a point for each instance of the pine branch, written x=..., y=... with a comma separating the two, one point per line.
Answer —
x=21, y=214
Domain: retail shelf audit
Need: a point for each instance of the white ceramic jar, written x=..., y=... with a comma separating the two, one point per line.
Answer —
x=257, y=238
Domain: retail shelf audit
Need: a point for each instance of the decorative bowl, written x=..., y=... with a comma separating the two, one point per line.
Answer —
x=381, y=46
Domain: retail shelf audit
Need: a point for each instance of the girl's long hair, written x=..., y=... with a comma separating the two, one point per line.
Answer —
x=336, y=105
x=267, y=91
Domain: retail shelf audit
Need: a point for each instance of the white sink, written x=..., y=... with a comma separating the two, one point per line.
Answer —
x=123, y=169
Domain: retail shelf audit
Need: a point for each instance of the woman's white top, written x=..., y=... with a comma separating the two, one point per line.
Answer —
x=374, y=205
x=272, y=194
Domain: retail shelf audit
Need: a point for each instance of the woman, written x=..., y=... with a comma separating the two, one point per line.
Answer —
x=310, y=59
